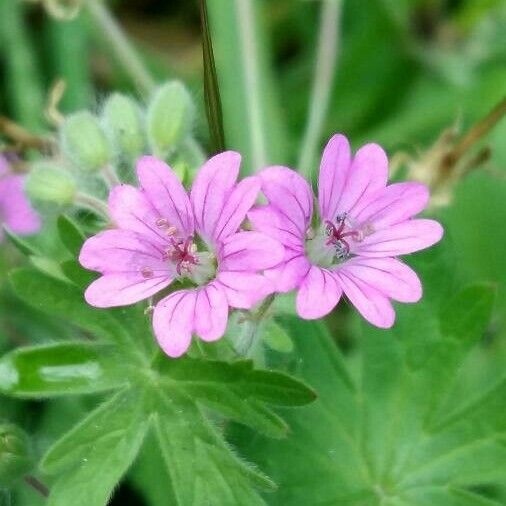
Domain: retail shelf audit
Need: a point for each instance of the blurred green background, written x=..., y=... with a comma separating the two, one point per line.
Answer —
x=406, y=70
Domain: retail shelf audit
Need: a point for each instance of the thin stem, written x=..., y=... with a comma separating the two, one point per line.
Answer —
x=480, y=129
x=84, y=200
x=37, y=485
x=125, y=53
x=248, y=344
x=475, y=133
x=110, y=176
x=247, y=40
x=326, y=61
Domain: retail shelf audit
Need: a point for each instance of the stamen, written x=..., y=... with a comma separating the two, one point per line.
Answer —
x=147, y=272
x=164, y=225
x=336, y=235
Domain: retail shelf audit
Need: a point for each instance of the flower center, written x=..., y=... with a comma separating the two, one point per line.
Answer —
x=333, y=242
x=184, y=255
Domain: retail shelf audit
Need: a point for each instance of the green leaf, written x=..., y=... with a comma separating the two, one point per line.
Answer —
x=201, y=466
x=267, y=386
x=77, y=274
x=446, y=497
x=91, y=459
x=59, y=369
x=367, y=442
x=211, y=87
x=47, y=266
x=21, y=245
x=468, y=313
x=64, y=300
x=70, y=235
x=238, y=391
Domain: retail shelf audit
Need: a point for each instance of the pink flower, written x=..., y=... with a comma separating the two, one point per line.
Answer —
x=164, y=235
x=363, y=226
x=15, y=210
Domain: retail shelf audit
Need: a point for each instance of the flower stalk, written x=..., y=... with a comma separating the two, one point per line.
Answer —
x=125, y=53
x=326, y=62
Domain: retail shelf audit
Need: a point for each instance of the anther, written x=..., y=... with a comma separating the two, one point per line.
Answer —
x=147, y=272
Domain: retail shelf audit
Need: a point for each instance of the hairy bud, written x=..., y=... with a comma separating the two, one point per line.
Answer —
x=49, y=184
x=15, y=456
x=85, y=142
x=170, y=118
x=122, y=118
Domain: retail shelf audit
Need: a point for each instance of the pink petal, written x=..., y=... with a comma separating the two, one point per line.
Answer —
x=371, y=304
x=123, y=251
x=250, y=251
x=334, y=168
x=394, y=204
x=173, y=322
x=15, y=209
x=387, y=275
x=368, y=174
x=211, y=312
x=121, y=289
x=131, y=210
x=400, y=239
x=290, y=272
x=166, y=193
x=318, y=294
x=268, y=220
x=211, y=190
x=239, y=202
x=244, y=289
x=290, y=195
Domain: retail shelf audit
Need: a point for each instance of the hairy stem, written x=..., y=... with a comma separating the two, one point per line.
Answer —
x=110, y=176
x=326, y=61
x=480, y=129
x=84, y=200
x=125, y=53
x=248, y=344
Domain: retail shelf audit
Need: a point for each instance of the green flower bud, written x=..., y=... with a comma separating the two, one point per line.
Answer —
x=122, y=118
x=84, y=141
x=46, y=183
x=170, y=118
x=15, y=456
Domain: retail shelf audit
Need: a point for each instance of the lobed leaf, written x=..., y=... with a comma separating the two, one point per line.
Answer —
x=91, y=459
x=60, y=299
x=23, y=246
x=369, y=442
x=238, y=391
x=199, y=462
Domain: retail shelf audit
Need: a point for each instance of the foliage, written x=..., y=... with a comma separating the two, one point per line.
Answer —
x=318, y=413
x=149, y=393
x=388, y=428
